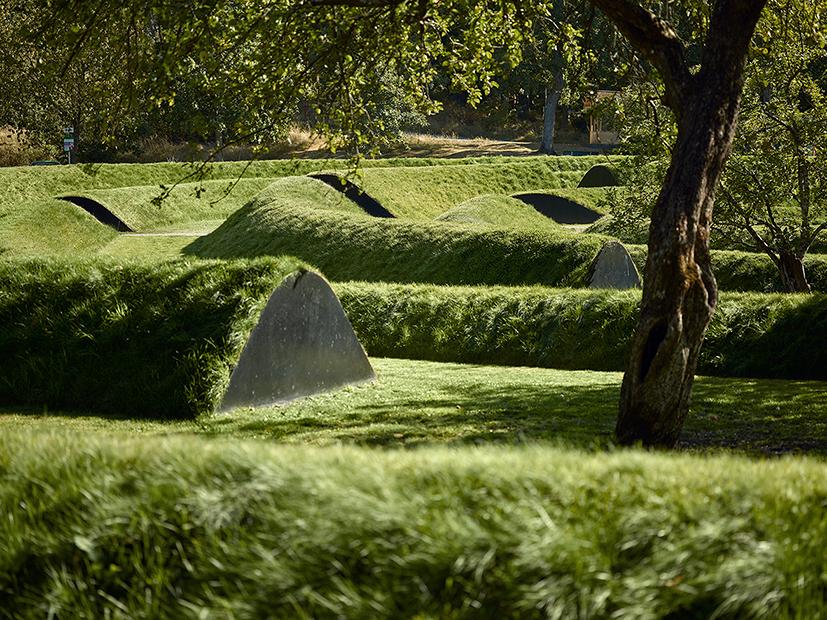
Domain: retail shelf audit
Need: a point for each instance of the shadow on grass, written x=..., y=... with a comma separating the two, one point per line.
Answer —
x=750, y=415
x=763, y=416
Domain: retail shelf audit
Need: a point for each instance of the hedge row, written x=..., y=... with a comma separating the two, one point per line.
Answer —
x=759, y=335
x=149, y=340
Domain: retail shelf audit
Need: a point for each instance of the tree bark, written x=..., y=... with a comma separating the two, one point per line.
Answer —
x=793, y=276
x=550, y=117
x=553, y=90
x=679, y=291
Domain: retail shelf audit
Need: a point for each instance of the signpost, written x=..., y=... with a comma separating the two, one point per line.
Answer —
x=69, y=142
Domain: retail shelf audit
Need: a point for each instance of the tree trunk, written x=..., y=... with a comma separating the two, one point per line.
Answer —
x=680, y=292
x=553, y=90
x=793, y=276
x=549, y=119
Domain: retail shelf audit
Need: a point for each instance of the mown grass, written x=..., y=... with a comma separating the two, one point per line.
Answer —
x=154, y=340
x=590, y=197
x=418, y=403
x=424, y=193
x=751, y=335
x=104, y=527
x=500, y=211
x=146, y=208
x=147, y=248
x=32, y=222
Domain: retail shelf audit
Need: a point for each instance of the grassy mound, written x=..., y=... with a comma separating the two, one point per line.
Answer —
x=500, y=211
x=101, y=526
x=592, y=198
x=147, y=340
x=186, y=203
x=424, y=193
x=32, y=222
x=358, y=247
x=751, y=335
x=304, y=193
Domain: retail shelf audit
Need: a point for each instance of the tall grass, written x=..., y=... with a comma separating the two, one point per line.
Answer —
x=129, y=338
x=347, y=247
x=753, y=335
x=748, y=271
x=107, y=527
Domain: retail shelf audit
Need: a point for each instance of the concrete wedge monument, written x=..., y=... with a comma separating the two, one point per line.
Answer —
x=613, y=267
x=303, y=344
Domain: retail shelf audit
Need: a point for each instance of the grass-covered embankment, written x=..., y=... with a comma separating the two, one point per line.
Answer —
x=499, y=211
x=99, y=527
x=348, y=246
x=752, y=335
x=146, y=208
x=136, y=339
x=424, y=193
x=34, y=222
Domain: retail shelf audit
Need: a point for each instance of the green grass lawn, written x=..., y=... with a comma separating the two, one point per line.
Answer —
x=417, y=403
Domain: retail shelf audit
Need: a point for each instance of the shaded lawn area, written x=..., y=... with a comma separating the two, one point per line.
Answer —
x=416, y=403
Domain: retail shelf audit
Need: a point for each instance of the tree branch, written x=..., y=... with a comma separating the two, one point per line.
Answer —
x=657, y=41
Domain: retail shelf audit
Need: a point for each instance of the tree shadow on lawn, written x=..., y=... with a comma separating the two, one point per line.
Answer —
x=763, y=416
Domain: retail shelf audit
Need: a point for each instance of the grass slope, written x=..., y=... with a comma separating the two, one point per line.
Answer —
x=347, y=247
x=499, y=211
x=424, y=193
x=351, y=246
x=32, y=222
x=154, y=340
x=186, y=203
x=752, y=335
x=103, y=527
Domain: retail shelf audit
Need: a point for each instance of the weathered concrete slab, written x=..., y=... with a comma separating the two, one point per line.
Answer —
x=303, y=344
x=599, y=176
x=614, y=268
